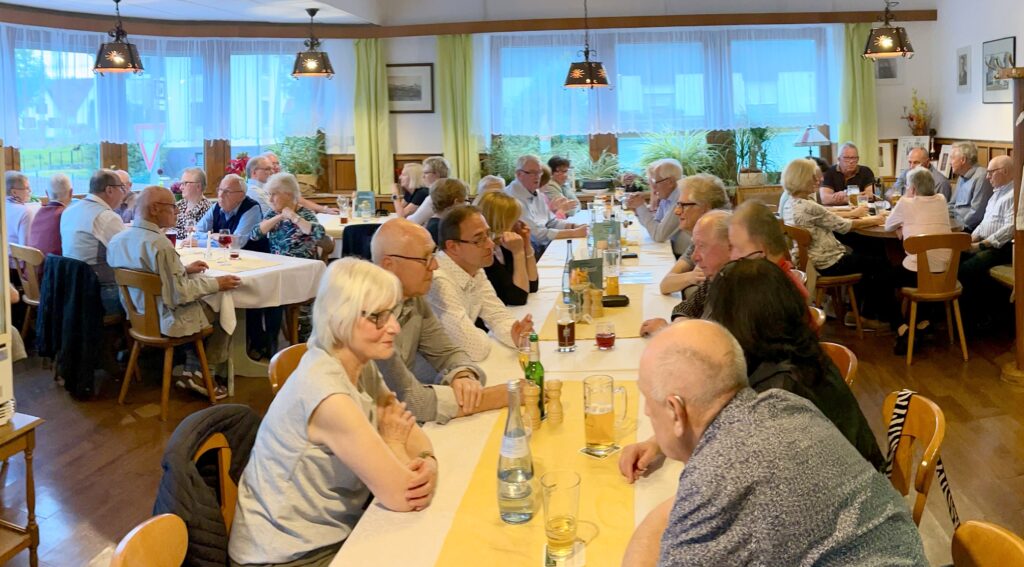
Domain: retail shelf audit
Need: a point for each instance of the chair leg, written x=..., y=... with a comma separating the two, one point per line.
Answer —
x=819, y=298
x=292, y=324
x=856, y=312
x=133, y=359
x=949, y=321
x=165, y=386
x=205, y=369
x=960, y=327
x=910, y=331
x=26, y=326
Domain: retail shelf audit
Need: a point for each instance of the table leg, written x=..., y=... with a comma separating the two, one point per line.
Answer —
x=30, y=501
x=239, y=361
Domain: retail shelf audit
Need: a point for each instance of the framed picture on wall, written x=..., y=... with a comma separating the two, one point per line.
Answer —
x=411, y=87
x=963, y=69
x=888, y=71
x=996, y=55
x=903, y=146
x=885, y=168
x=944, y=166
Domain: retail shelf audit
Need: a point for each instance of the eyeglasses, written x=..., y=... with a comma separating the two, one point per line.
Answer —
x=428, y=172
x=189, y=183
x=528, y=172
x=479, y=242
x=263, y=169
x=682, y=205
x=121, y=186
x=226, y=191
x=849, y=158
x=380, y=318
x=995, y=170
x=664, y=179
x=425, y=261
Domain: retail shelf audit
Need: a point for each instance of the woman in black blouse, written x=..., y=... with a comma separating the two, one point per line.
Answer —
x=409, y=193
x=514, y=271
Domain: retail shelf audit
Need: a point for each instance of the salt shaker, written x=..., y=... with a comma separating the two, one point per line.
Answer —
x=531, y=399
x=553, y=399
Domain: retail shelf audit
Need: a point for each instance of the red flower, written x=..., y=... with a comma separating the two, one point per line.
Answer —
x=237, y=165
x=176, y=188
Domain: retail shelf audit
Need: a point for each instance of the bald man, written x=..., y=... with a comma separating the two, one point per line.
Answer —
x=454, y=385
x=918, y=157
x=144, y=247
x=768, y=479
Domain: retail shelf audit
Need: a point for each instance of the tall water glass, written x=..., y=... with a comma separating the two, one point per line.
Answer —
x=561, y=495
x=611, y=267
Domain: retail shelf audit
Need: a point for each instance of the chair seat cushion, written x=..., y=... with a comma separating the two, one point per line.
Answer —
x=912, y=293
x=828, y=281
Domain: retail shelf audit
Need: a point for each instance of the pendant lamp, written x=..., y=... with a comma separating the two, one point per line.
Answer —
x=888, y=41
x=586, y=73
x=312, y=62
x=117, y=56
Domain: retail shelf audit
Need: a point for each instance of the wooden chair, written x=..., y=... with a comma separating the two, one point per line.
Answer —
x=981, y=544
x=160, y=541
x=30, y=265
x=283, y=364
x=145, y=330
x=818, y=315
x=925, y=425
x=228, y=489
x=833, y=285
x=936, y=286
x=844, y=360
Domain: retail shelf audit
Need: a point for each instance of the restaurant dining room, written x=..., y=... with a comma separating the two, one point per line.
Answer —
x=471, y=282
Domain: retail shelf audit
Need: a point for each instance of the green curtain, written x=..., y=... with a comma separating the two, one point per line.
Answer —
x=859, y=118
x=455, y=91
x=374, y=161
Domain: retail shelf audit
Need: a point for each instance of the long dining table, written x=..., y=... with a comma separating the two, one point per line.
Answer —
x=462, y=523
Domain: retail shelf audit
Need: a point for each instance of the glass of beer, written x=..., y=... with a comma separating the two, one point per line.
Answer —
x=599, y=414
x=611, y=268
x=523, y=346
x=853, y=194
x=566, y=318
x=343, y=207
x=561, y=496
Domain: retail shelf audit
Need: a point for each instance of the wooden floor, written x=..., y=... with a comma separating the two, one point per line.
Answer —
x=97, y=463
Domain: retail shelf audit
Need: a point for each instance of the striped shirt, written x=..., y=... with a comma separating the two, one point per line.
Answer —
x=996, y=226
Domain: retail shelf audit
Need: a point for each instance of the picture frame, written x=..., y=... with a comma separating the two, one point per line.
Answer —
x=963, y=69
x=996, y=55
x=943, y=165
x=410, y=88
x=903, y=146
x=889, y=71
x=885, y=168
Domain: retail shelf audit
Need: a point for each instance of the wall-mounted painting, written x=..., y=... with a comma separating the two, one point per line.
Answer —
x=996, y=55
x=885, y=168
x=888, y=71
x=944, y=166
x=411, y=87
x=963, y=69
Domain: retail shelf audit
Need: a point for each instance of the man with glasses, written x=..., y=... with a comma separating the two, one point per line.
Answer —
x=19, y=211
x=461, y=293
x=990, y=243
x=234, y=212
x=144, y=247
x=544, y=227
x=661, y=225
x=697, y=195
x=918, y=157
x=127, y=209
x=87, y=226
x=846, y=173
x=452, y=386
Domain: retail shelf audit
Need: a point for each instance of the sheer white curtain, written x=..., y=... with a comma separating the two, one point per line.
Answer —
x=192, y=89
x=663, y=79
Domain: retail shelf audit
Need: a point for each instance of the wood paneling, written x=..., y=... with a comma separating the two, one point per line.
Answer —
x=114, y=156
x=12, y=158
x=603, y=142
x=169, y=28
x=216, y=155
x=341, y=172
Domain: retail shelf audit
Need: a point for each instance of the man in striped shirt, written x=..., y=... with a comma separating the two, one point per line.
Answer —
x=990, y=241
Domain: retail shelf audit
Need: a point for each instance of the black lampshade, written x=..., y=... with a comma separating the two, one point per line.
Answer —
x=312, y=62
x=117, y=56
x=584, y=74
x=885, y=42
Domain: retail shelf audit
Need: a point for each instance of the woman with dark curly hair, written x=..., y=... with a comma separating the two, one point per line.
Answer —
x=781, y=349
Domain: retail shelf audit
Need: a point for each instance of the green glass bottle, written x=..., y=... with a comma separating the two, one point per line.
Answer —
x=535, y=372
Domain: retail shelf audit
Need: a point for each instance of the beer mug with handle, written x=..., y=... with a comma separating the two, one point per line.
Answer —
x=599, y=421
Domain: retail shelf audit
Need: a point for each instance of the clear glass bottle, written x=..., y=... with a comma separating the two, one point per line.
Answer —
x=567, y=273
x=515, y=465
x=535, y=371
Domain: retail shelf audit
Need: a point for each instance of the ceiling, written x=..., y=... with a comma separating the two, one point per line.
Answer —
x=278, y=11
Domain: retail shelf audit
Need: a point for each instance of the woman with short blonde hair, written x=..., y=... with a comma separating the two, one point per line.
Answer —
x=514, y=271
x=409, y=193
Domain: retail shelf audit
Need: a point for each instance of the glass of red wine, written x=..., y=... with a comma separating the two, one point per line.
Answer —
x=605, y=335
x=224, y=239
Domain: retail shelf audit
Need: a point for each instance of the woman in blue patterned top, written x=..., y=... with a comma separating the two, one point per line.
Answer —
x=291, y=229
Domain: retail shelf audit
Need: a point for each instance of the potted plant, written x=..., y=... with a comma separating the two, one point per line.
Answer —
x=691, y=149
x=301, y=156
x=604, y=169
x=752, y=154
x=919, y=117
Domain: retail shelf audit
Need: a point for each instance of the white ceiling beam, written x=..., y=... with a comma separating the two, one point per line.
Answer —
x=370, y=11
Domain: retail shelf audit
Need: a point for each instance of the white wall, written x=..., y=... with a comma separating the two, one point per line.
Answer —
x=415, y=133
x=963, y=115
x=915, y=73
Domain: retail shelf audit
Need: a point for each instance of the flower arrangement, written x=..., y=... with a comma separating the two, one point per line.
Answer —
x=237, y=165
x=919, y=117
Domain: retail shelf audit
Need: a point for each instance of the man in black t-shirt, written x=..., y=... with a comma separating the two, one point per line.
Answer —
x=845, y=173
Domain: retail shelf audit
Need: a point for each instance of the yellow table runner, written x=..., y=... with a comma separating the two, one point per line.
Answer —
x=627, y=319
x=242, y=264
x=479, y=537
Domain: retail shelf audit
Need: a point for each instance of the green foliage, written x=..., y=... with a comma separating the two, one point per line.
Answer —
x=606, y=166
x=752, y=148
x=505, y=150
x=691, y=149
x=301, y=155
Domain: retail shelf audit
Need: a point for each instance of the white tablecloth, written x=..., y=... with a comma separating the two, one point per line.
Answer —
x=412, y=539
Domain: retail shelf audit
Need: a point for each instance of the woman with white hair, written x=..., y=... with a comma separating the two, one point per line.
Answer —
x=334, y=435
x=291, y=229
x=488, y=184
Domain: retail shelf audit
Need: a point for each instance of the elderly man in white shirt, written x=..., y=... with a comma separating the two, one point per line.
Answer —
x=461, y=292
x=661, y=224
x=544, y=227
x=19, y=210
x=144, y=247
x=87, y=226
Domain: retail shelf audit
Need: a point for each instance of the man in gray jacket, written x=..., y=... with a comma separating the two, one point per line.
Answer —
x=433, y=376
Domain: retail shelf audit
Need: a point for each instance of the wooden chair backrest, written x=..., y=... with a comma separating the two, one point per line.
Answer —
x=283, y=364
x=843, y=358
x=981, y=544
x=228, y=489
x=802, y=239
x=29, y=262
x=925, y=424
x=939, y=282
x=160, y=541
x=145, y=323
x=819, y=317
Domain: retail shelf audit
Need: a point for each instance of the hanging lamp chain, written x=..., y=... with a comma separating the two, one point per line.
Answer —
x=118, y=32
x=887, y=16
x=586, y=35
x=312, y=43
